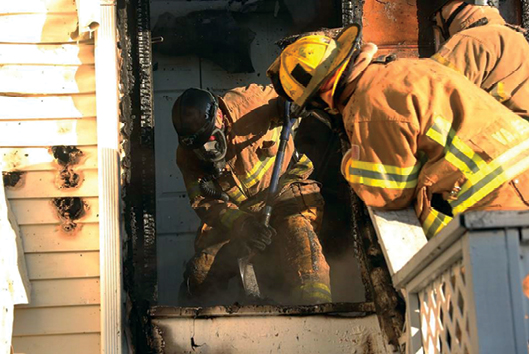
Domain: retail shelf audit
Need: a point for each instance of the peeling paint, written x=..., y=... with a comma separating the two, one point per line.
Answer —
x=70, y=209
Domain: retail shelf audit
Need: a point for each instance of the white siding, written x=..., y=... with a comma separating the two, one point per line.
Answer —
x=47, y=95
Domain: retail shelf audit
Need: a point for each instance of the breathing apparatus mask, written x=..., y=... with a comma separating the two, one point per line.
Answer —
x=196, y=117
x=213, y=152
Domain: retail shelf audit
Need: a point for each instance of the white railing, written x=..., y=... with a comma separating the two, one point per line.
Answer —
x=463, y=289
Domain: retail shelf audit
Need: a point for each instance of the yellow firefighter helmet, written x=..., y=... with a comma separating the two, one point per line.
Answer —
x=304, y=65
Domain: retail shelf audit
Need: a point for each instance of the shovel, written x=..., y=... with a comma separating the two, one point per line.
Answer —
x=249, y=280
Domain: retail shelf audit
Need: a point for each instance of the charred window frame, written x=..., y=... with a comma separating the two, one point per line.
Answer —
x=139, y=203
x=138, y=169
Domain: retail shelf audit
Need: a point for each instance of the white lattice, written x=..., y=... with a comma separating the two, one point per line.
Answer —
x=444, y=315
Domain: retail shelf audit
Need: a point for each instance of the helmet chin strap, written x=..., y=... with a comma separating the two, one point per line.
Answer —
x=446, y=24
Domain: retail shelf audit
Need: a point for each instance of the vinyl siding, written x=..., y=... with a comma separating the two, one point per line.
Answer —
x=47, y=95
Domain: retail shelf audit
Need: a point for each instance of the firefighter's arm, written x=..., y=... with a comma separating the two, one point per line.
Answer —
x=467, y=55
x=273, y=106
x=214, y=212
x=381, y=165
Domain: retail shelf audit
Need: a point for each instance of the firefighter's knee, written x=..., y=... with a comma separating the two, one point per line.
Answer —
x=196, y=272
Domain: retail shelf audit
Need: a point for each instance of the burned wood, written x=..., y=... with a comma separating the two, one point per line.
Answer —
x=389, y=305
x=210, y=34
x=329, y=32
x=352, y=11
x=359, y=309
x=70, y=209
x=138, y=171
x=11, y=179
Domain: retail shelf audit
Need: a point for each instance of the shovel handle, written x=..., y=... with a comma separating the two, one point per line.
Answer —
x=276, y=172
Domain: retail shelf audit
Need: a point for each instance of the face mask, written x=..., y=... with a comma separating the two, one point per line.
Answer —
x=213, y=152
x=214, y=149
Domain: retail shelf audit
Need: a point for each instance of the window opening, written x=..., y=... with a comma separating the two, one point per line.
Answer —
x=217, y=46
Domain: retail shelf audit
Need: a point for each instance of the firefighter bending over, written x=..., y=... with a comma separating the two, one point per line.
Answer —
x=480, y=45
x=227, y=148
x=420, y=132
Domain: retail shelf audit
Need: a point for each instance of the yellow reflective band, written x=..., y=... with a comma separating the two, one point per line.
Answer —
x=502, y=169
x=438, y=132
x=229, y=217
x=260, y=168
x=324, y=297
x=315, y=285
x=457, y=152
x=482, y=177
x=193, y=190
x=316, y=290
x=236, y=195
x=300, y=168
x=442, y=60
x=434, y=222
x=304, y=164
x=498, y=92
x=379, y=175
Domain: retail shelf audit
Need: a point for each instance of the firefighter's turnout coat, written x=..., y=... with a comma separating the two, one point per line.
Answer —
x=253, y=118
x=428, y=132
x=493, y=55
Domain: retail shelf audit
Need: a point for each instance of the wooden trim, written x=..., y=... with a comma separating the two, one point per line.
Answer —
x=486, y=219
x=107, y=96
x=437, y=245
x=400, y=236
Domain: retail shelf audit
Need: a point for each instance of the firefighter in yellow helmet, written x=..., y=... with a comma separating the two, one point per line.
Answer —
x=480, y=45
x=226, y=153
x=420, y=133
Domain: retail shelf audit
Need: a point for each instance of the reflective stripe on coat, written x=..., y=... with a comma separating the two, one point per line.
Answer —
x=254, y=123
x=429, y=131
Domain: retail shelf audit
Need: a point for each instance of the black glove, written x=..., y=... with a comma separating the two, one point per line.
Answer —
x=254, y=235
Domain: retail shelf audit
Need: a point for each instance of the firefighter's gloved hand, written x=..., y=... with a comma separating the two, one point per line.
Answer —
x=254, y=235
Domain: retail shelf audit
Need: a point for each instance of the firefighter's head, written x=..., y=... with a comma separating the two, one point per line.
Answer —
x=199, y=124
x=310, y=68
x=446, y=15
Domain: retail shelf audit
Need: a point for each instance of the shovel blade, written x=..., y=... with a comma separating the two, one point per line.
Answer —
x=249, y=280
